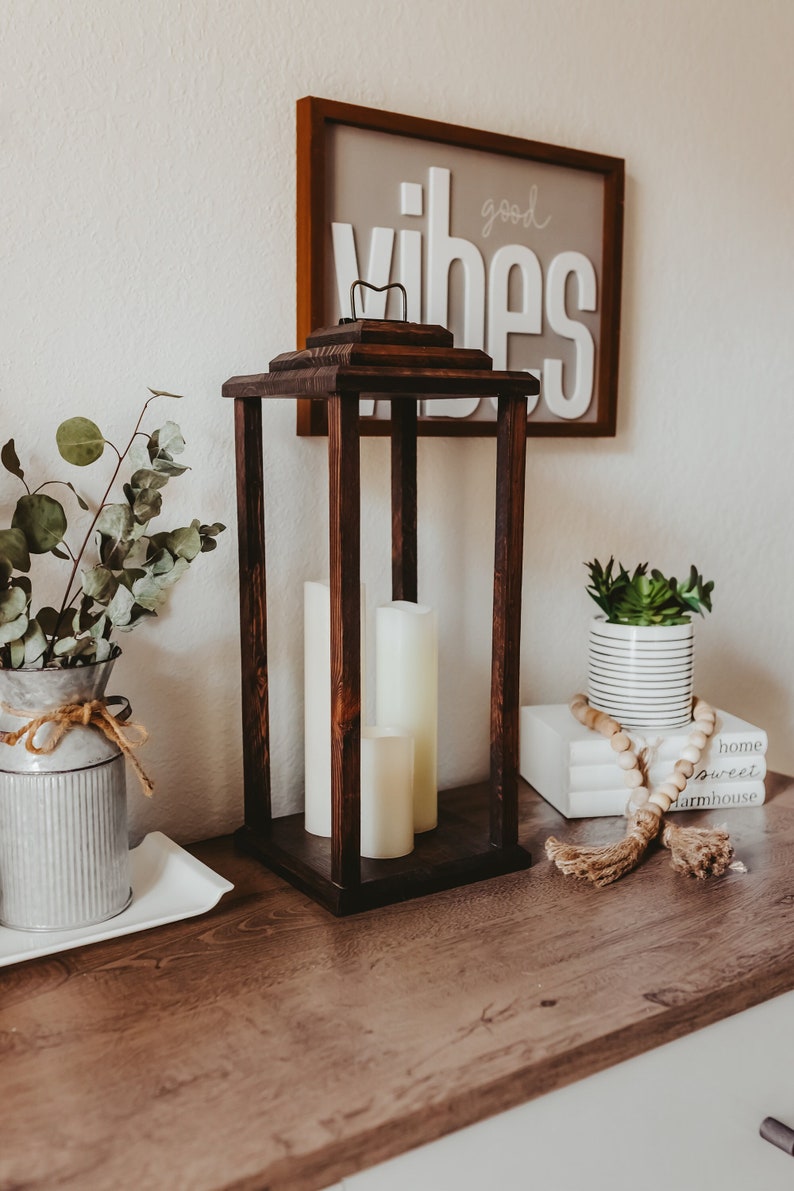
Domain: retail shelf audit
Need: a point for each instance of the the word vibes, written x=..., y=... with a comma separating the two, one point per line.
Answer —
x=423, y=261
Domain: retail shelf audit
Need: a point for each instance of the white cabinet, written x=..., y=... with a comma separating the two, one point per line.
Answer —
x=681, y=1117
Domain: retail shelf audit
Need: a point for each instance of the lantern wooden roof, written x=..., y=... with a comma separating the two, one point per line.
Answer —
x=395, y=359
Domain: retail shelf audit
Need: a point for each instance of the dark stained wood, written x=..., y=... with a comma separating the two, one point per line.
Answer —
x=244, y=386
x=315, y=116
x=382, y=330
x=410, y=383
x=267, y=1045
x=383, y=356
x=253, y=610
x=511, y=450
x=457, y=852
x=344, y=520
x=403, y=502
x=611, y=290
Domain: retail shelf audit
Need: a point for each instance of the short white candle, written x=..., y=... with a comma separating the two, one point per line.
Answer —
x=317, y=702
x=406, y=693
x=387, y=803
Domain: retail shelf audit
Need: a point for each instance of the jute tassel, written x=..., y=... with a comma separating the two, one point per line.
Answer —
x=698, y=851
x=605, y=864
x=94, y=713
x=695, y=851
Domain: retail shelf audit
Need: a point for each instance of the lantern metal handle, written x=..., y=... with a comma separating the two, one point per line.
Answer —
x=379, y=289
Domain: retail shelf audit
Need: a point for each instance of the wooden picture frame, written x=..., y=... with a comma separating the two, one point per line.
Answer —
x=556, y=218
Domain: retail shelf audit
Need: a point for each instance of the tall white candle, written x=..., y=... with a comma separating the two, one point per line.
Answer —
x=406, y=693
x=317, y=702
x=387, y=803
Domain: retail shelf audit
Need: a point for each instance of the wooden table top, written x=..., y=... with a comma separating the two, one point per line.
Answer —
x=268, y=1044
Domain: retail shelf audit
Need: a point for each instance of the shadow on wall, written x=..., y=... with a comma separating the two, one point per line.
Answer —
x=737, y=684
x=193, y=752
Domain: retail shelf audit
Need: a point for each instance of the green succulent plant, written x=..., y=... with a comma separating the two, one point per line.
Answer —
x=128, y=576
x=647, y=599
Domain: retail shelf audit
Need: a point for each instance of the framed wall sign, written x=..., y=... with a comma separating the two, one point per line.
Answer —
x=513, y=245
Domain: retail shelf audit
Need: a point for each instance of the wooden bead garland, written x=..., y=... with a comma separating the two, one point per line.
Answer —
x=666, y=794
x=696, y=851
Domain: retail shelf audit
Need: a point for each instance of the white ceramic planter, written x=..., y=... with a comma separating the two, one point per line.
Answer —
x=64, y=851
x=642, y=675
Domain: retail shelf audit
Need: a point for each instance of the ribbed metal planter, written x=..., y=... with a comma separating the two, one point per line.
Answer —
x=64, y=852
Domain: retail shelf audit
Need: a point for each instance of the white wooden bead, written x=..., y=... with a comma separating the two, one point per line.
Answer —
x=661, y=800
x=685, y=768
x=669, y=790
x=698, y=739
x=605, y=725
x=627, y=760
x=633, y=779
x=620, y=742
x=705, y=726
x=690, y=753
x=639, y=797
x=703, y=710
x=678, y=780
x=589, y=717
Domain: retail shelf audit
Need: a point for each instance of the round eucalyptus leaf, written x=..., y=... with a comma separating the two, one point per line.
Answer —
x=42, y=520
x=102, y=650
x=160, y=562
x=80, y=441
x=168, y=439
x=144, y=477
x=115, y=521
x=35, y=643
x=148, y=592
x=14, y=547
x=120, y=607
x=17, y=651
x=115, y=526
x=147, y=504
x=185, y=543
x=13, y=630
x=99, y=583
x=168, y=467
x=10, y=460
x=48, y=619
x=13, y=602
x=66, y=645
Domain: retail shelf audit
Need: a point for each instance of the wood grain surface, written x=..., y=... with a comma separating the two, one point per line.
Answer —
x=268, y=1044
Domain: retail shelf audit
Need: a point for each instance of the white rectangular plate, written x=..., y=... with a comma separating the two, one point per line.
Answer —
x=167, y=884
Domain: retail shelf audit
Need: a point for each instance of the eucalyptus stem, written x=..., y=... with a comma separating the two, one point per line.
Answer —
x=68, y=597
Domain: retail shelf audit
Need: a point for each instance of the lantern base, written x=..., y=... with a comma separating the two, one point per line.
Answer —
x=457, y=852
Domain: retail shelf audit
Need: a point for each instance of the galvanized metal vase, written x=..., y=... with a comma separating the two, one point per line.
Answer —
x=64, y=852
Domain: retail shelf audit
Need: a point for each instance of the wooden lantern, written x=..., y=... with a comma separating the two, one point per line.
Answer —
x=477, y=832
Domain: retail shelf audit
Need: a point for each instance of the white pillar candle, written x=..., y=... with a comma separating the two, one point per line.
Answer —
x=406, y=693
x=387, y=803
x=317, y=702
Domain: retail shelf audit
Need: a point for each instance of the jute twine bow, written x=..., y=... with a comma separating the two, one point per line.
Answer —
x=93, y=713
x=694, y=851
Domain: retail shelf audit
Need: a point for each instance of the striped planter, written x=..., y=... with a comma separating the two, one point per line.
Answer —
x=642, y=675
x=64, y=853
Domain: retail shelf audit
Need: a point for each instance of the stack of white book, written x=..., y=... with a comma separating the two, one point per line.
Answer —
x=575, y=770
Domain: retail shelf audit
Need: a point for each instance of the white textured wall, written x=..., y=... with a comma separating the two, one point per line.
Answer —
x=147, y=235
